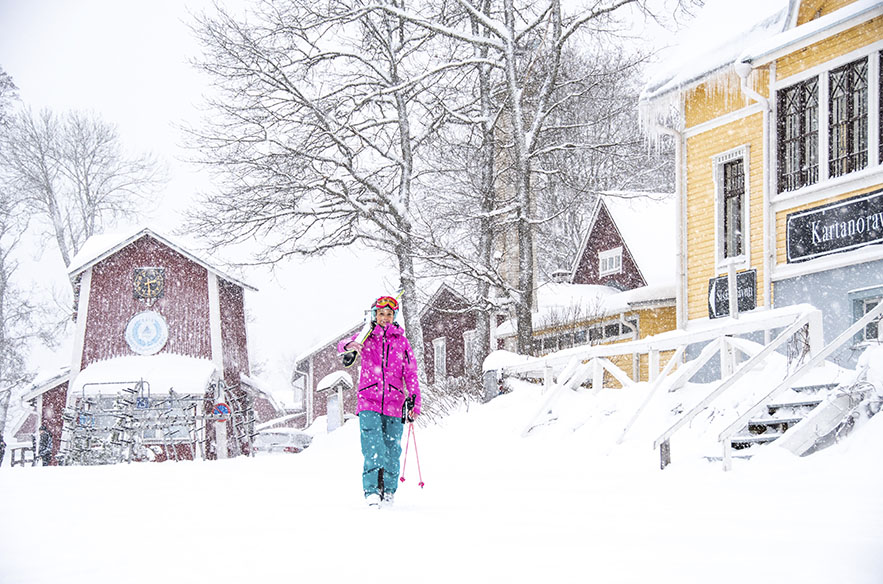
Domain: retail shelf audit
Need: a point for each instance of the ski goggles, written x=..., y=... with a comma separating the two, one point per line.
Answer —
x=387, y=302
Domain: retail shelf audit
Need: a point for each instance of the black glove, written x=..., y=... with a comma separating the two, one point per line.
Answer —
x=407, y=407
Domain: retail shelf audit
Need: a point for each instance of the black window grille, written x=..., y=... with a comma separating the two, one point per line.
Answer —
x=848, y=118
x=734, y=201
x=798, y=135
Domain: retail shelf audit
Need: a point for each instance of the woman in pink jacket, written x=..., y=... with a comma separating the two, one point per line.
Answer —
x=387, y=379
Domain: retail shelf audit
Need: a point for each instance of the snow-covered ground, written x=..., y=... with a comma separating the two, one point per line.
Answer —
x=564, y=504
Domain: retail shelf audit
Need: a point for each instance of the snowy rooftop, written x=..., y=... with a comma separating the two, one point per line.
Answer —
x=567, y=303
x=100, y=246
x=803, y=35
x=717, y=37
x=163, y=372
x=648, y=227
x=332, y=379
x=749, y=31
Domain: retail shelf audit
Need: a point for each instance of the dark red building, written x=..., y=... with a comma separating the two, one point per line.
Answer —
x=448, y=333
x=156, y=328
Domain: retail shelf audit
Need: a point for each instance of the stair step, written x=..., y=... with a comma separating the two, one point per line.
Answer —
x=771, y=408
x=769, y=422
x=815, y=388
x=739, y=442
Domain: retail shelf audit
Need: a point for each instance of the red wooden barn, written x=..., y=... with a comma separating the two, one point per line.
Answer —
x=159, y=342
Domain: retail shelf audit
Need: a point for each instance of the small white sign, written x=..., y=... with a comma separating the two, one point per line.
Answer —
x=147, y=332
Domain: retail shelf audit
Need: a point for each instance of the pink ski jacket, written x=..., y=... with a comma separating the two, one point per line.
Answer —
x=389, y=371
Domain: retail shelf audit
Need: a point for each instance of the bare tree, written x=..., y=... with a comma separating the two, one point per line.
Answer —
x=604, y=150
x=315, y=134
x=526, y=42
x=17, y=313
x=73, y=173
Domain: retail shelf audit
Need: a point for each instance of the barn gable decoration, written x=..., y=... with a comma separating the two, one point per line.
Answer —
x=159, y=357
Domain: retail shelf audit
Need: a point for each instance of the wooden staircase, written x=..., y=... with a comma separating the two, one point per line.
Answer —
x=780, y=416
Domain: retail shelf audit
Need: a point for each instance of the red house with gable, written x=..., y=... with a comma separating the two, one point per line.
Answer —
x=448, y=325
x=448, y=343
x=160, y=339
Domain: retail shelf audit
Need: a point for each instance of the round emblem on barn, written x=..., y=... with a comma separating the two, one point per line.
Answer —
x=147, y=332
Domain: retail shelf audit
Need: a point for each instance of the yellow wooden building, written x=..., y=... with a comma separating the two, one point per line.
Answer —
x=775, y=109
x=619, y=288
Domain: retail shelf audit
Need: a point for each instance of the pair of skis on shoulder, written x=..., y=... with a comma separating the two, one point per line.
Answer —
x=350, y=356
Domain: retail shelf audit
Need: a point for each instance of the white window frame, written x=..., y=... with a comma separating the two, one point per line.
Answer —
x=439, y=359
x=469, y=351
x=823, y=187
x=717, y=168
x=867, y=305
x=610, y=262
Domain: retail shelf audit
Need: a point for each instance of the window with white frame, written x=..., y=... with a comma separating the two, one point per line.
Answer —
x=871, y=332
x=610, y=261
x=798, y=135
x=731, y=192
x=440, y=358
x=848, y=118
x=825, y=125
x=469, y=351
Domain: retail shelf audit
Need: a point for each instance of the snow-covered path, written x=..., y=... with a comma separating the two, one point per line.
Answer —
x=496, y=508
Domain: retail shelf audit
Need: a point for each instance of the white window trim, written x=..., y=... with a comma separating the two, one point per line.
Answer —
x=717, y=165
x=864, y=304
x=820, y=189
x=606, y=256
x=439, y=349
x=468, y=347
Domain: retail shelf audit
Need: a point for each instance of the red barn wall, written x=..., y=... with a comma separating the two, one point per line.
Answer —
x=605, y=236
x=184, y=304
x=442, y=319
x=326, y=361
x=54, y=402
x=233, y=335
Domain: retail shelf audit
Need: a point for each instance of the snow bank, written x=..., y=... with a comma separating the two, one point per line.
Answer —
x=871, y=360
x=499, y=359
x=163, y=372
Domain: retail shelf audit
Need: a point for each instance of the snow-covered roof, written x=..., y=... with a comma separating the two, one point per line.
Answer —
x=648, y=227
x=328, y=341
x=805, y=34
x=559, y=303
x=163, y=372
x=99, y=247
x=332, y=379
x=46, y=381
x=748, y=31
x=718, y=35
x=258, y=386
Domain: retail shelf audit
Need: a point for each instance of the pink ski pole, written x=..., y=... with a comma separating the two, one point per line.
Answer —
x=411, y=432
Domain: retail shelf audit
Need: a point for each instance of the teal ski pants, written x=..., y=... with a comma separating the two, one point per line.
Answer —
x=382, y=447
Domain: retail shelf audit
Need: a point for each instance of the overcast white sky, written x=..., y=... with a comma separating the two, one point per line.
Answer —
x=128, y=62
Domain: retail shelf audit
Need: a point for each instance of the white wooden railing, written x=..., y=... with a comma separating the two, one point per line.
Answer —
x=572, y=367
x=816, y=359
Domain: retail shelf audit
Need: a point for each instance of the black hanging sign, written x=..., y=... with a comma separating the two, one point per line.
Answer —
x=719, y=294
x=836, y=227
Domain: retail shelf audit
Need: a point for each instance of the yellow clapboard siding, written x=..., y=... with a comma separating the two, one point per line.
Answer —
x=701, y=261
x=721, y=95
x=652, y=321
x=830, y=48
x=812, y=9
